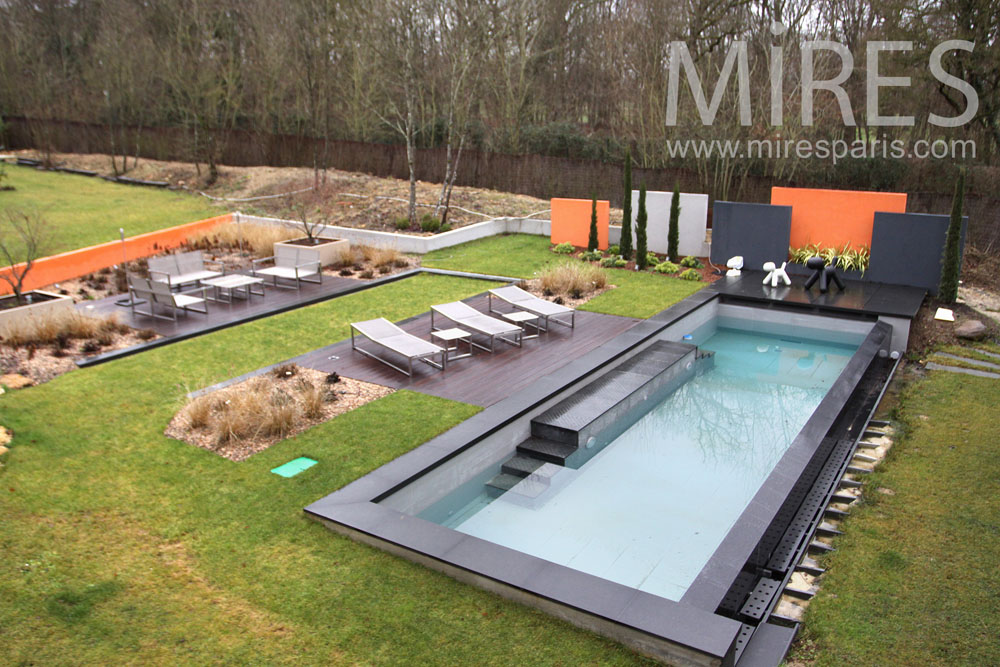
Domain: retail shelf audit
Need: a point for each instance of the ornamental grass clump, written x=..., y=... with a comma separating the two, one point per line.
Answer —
x=573, y=278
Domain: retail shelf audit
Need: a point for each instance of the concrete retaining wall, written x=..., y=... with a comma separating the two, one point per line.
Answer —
x=418, y=245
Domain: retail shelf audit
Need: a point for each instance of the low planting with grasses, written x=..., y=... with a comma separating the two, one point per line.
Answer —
x=257, y=240
x=246, y=418
x=847, y=257
x=572, y=279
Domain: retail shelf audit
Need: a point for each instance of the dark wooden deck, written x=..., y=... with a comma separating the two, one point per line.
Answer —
x=482, y=379
x=224, y=314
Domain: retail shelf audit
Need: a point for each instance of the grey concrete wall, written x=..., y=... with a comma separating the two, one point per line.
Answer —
x=758, y=232
x=419, y=245
x=691, y=225
x=907, y=249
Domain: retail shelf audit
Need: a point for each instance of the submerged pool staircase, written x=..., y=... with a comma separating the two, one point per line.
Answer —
x=566, y=434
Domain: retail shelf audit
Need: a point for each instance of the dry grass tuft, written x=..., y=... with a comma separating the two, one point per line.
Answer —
x=573, y=279
x=199, y=410
x=258, y=239
x=382, y=257
x=313, y=400
x=58, y=326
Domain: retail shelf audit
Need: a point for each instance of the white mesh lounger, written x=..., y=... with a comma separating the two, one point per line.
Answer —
x=385, y=334
x=545, y=310
x=470, y=319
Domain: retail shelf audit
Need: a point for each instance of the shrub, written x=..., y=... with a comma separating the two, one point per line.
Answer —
x=673, y=230
x=333, y=378
x=428, y=223
x=564, y=248
x=313, y=400
x=402, y=223
x=652, y=259
x=285, y=371
x=259, y=240
x=666, y=267
x=385, y=268
x=614, y=262
x=626, y=240
x=446, y=227
x=613, y=250
x=692, y=262
x=591, y=256
x=367, y=274
x=573, y=276
x=105, y=338
x=199, y=410
x=346, y=272
x=690, y=274
x=951, y=260
x=145, y=334
x=91, y=347
x=641, y=218
x=592, y=240
x=47, y=328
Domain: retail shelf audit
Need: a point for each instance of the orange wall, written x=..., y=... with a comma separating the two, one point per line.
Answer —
x=835, y=217
x=571, y=221
x=76, y=263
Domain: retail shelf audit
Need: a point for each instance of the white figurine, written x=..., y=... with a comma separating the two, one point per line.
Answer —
x=775, y=274
x=734, y=264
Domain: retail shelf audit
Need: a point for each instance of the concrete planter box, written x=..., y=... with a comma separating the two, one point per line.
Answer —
x=42, y=303
x=329, y=249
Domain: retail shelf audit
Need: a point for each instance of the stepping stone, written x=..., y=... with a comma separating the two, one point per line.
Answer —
x=964, y=371
x=974, y=362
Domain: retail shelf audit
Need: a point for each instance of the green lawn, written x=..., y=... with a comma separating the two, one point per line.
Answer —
x=85, y=211
x=916, y=578
x=523, y=256
x=119, y=544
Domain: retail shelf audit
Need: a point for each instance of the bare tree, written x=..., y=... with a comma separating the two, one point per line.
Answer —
x=24, y=237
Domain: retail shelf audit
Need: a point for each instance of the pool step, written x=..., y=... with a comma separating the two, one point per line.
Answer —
x=529, y=487
x=521, y=466
x=546, y=450
x=595, y=406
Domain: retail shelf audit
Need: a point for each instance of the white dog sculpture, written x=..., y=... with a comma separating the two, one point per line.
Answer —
x=734, y=264
x=775, y=274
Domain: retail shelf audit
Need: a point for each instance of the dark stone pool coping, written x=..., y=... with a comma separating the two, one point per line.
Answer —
x=689, y=629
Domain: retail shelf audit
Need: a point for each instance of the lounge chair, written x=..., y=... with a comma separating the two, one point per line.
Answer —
x=159, y=294
x=470, y=319
x=385, y=334
x=545, y=310
x=291, y=263
x=183, y=268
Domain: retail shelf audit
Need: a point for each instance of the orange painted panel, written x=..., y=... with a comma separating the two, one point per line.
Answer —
x=571, y=222
x=76, y=263
x=835, y=217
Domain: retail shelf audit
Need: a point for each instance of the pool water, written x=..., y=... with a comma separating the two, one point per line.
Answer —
x=649, y=509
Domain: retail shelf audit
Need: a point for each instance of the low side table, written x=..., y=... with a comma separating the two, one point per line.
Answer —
x=452, y=338
x=524, y=319
x=223, y=287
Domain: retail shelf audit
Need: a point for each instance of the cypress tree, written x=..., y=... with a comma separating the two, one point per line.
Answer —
x=951, y=263
x=640, y=231
x=592, y=240
x=673, y=233
x=625, y=244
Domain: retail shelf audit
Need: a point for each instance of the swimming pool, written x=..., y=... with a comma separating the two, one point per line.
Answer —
x=651, y=506
x=665, y=521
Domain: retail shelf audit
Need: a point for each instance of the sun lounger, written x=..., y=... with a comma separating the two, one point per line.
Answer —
x=387, y=335
x=183, y=268
x=158, y=294
x=470, y=319
x=290, y=263
x=545, y=310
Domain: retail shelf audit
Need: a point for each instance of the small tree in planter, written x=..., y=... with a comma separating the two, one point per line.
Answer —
x=673, y=233
x=312, y=228
x=625, y=243
x=641, y=257
x=24, y=237
x=592, y=240
x=952, y=260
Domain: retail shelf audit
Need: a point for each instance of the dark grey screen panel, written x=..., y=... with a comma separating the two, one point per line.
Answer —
x=759, y=232
x=907, y=249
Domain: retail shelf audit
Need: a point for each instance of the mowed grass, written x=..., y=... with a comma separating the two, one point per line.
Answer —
x=85, y=211
x=121, y=545
x=523, y=256
x=916, y=578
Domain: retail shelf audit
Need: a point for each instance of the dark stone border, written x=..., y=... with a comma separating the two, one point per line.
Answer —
x=686, y=630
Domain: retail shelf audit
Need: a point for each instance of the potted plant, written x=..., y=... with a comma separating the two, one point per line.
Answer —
x=330, y=249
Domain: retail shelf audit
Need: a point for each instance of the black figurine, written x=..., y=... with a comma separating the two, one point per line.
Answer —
x=823, y=273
